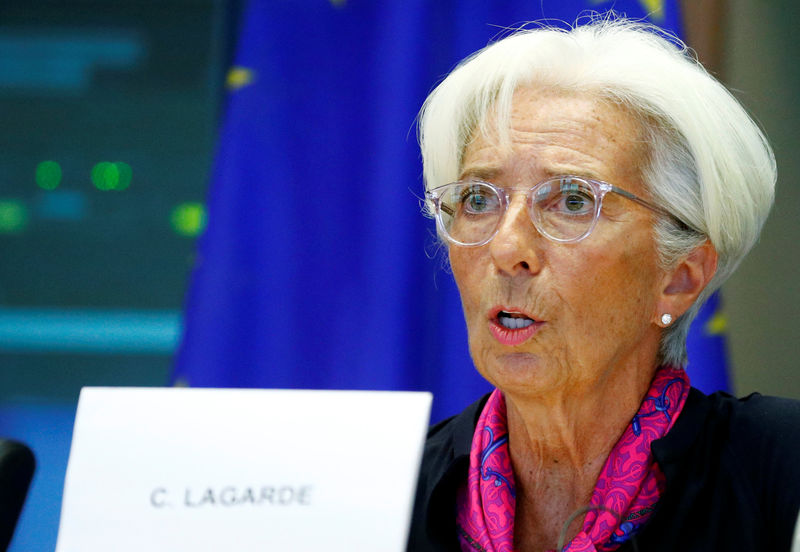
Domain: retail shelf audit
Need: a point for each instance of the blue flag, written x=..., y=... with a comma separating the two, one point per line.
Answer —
x=317, y=269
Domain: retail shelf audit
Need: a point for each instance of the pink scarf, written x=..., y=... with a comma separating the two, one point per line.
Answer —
x=629, y=485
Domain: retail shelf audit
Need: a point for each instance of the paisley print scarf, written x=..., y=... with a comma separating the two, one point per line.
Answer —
x=624, y=496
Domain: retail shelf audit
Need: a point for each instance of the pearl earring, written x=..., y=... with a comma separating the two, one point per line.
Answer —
x=666, y=319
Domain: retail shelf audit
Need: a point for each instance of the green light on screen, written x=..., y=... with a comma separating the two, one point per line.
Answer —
x=108, y=176
x=188, y=219
x=13, y=216
x=48, y=175
x=125, y=175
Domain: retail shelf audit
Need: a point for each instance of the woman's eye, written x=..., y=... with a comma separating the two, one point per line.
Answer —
x=478, y=201
x=575, y=203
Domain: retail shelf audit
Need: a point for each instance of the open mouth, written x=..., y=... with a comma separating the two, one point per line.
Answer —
x=513, y=327
x=513, y=320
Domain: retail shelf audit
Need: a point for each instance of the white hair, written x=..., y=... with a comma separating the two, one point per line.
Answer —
x=708, y=162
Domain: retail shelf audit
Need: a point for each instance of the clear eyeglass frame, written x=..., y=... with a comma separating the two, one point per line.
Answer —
x=598, y=188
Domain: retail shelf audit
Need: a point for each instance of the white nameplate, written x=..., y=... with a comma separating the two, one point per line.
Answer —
x=169, y=469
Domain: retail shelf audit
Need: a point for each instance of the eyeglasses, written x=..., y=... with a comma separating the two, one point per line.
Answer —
x=564, y=209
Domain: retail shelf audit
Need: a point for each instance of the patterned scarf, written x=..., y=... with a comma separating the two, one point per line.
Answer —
x=623, y=499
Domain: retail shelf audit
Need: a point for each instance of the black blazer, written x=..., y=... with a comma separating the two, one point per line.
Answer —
x=732, y=470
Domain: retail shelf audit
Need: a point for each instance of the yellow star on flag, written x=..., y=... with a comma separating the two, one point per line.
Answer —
x=717, y=324
x=653, y=8
x=239, y=77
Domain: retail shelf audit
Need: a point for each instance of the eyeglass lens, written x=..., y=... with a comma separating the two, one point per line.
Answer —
x=563, y=209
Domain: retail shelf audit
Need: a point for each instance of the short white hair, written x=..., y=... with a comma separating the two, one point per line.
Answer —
x=708, y=162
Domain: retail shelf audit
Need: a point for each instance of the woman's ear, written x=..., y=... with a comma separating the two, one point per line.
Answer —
x=684, y=282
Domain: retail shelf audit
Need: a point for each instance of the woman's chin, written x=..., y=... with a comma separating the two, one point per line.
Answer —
x=519, y=371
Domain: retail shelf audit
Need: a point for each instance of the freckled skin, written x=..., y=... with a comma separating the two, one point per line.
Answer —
x=572, y=388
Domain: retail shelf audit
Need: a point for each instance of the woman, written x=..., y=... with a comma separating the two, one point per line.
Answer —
x=593, y=187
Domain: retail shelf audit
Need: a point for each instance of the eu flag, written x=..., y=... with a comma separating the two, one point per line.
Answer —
x=317, y=269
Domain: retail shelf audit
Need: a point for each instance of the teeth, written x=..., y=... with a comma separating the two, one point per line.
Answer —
x=507, y=321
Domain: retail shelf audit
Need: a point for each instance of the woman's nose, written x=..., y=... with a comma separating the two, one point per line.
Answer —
x=516, y=247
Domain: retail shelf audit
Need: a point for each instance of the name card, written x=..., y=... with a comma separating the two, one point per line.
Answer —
x=174, y=469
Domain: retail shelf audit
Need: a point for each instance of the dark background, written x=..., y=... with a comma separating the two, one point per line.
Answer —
x=82, y=83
